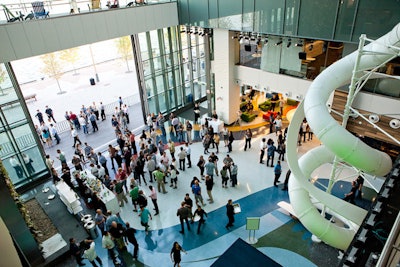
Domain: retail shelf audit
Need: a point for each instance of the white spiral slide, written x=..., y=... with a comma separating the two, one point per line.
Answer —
x=337, y=141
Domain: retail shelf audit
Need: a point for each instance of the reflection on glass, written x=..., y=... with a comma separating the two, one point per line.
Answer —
x=160, y=83
x=7, y=92
x=13, y=113
x=171, y=96
x=152, y=105
x=162, y=102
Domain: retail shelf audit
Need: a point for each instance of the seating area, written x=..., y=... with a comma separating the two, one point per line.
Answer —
x=39, y=11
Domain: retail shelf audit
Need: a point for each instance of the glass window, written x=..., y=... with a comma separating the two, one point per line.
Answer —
x=162, y=103
x=7, y=92
x=326, y=10
x=152, y=105
x=166, y=40
x=150, y=87
x=13, y=114
x=155, y=47
x=171, y=98
x=143, y=46
x=160, y=83
x=146, y=67
x=23, y=137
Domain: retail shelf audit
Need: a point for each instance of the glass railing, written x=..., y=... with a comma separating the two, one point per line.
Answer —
x=10, y=11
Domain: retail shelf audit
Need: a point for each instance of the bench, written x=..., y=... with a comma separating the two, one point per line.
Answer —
x=29, y=97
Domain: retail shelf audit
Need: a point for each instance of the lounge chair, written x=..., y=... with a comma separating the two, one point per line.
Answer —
x=39, y=11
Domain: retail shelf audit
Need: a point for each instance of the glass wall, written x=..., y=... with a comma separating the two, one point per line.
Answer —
x=342, y=21
x=19, y=151
x=174, y=67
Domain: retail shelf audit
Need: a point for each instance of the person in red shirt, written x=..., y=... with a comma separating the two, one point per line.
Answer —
x=121, y=176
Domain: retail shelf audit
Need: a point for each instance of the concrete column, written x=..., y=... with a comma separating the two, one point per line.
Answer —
x=227, y=89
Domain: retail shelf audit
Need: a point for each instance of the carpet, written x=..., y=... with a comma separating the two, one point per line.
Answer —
x=242, y=254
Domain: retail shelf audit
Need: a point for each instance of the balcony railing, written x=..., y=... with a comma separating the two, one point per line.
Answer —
x=11, y=12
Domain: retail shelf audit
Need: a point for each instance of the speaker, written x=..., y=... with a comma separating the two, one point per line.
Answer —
x=302, y=55
x=247, y=48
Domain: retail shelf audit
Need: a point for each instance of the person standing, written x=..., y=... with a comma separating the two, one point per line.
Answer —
x=201, y=164
x=90, y=252
x=189, y=128
x=171, y=147
x=230, y=141
x=108, y=243
x=153, y=197
x=39, y=116
x=176, y=254
x=54, y=133
x=18, y=169
x=210, y=167
x=182, y=158
x=75, y=251
x=49, y=113
x=270, y=152
x=209, y=187
x=263, y=146
x=183, y=214
x=92, y=119
x=188, y=152
x=102, y=111
x=277, y=172
x=224, y=176
x=196, y=189
x=100, y=220
x=201, y=213
x=248, y=135
x=74, y=134
x=216, y=141
x=230, y=212
x=360, y=184
x=159, y=177
x=350, y=197
x=144, y=218
x=49, y=163
x=130, y=235
x=196, y=110
x=234, y=171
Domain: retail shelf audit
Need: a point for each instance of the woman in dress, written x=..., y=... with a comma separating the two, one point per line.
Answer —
x=176, y=254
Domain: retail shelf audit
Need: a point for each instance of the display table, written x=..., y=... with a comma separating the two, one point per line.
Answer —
x=105, y=195
x=69, y=197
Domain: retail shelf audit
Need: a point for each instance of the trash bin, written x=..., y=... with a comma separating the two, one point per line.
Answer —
x=91, y=229
x=92, y=82
x=86, y=218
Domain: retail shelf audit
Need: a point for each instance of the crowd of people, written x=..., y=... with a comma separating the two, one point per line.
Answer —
x=141, y=167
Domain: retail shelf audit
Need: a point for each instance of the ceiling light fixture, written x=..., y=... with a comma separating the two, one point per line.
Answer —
x=279, y=42
x=289, y=43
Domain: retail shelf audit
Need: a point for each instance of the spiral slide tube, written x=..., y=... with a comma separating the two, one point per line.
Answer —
x=336, y=142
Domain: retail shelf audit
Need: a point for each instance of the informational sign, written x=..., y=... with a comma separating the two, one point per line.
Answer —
x=253, y=223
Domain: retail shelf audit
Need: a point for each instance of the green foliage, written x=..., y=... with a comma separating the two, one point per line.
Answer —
x=52, y=66
x=70, y=55
x=2, y=75
x=124, y=48
x=20, y=205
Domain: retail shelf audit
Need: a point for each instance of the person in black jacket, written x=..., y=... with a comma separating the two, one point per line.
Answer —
x=130, y=235
x=75, y=251
x=230, y=213
x=200, y=212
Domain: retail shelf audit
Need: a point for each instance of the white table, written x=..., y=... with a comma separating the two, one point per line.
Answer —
x=105, y=195
x=69, y=197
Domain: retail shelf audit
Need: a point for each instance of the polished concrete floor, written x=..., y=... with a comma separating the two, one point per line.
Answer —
x=280, y=237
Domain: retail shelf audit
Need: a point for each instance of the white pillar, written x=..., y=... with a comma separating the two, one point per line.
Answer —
x=227, y=90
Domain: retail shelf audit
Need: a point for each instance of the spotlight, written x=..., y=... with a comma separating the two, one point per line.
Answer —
x=266, y=40
x=299, y=44
x=279, y=43
x=289, y=43
x=311, y=47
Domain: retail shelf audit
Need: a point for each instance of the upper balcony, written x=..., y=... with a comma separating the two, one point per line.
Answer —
x=75, y=23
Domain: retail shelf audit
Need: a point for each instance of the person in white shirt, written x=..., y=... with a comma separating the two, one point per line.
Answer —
x=90, y=252
x=108, y=243
x=53, y=133
x=278, y=124
x=153, y=197
x=188, y=151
